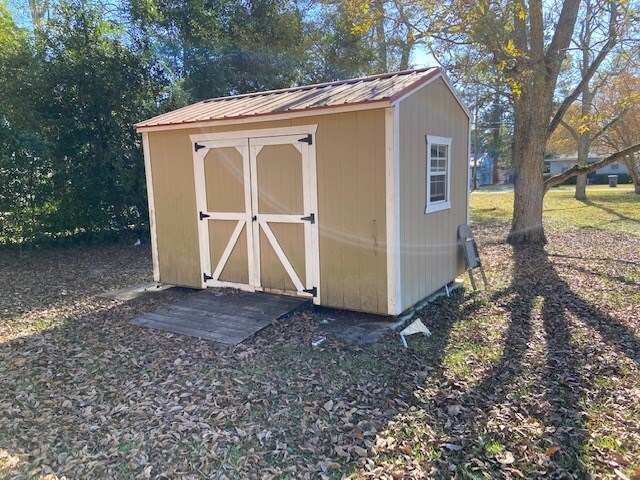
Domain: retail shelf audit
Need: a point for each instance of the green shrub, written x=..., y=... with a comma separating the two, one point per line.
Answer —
x=599, y=179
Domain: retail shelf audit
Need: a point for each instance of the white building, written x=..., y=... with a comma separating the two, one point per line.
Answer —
x=560, y=164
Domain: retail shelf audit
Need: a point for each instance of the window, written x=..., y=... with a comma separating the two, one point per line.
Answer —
x=615, y=166
x=438, y=173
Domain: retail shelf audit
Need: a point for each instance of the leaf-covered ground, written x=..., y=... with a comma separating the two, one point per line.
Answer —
x=537, y=378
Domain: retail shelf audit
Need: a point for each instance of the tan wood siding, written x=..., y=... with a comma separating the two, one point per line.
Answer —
x=430, y=257
x=350, y=155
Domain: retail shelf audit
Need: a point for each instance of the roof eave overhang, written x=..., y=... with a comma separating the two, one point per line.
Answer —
x=144, y=127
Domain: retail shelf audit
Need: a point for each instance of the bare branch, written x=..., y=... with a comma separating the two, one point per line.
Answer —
x=572, y=131
x=593, y=68
x=610, y=123
x=588, y=75
x=577, y=169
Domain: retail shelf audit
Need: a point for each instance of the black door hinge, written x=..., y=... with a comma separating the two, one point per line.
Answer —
x=197, y=146
x=311, y=218
x=308, y=139
x=203, y=216
x=207, y=277
x=313, y=291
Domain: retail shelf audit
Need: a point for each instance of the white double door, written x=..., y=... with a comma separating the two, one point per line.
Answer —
x=257, y=212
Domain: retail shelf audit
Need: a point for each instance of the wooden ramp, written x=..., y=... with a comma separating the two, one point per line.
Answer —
x=225, y=317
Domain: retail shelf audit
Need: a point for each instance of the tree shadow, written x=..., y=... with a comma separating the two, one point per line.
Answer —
x=614, y=278
x=538, y=298
x=600, y=259
x=611, y=211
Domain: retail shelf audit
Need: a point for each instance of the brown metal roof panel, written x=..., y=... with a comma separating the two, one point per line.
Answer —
x=355, y=91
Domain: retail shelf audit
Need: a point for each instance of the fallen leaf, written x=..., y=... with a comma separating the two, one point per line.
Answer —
x=552, y=449
x=506, y=458
x=451, y=446
x=361, y=452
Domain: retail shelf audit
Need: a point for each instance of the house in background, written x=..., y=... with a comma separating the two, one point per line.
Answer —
x=485, y=170
x=561, y=164
x=349, y=193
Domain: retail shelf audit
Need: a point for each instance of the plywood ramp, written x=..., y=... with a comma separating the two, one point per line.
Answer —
x=350, y=156
x=229, y=318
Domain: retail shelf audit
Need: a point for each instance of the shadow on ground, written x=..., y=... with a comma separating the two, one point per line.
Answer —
x=501, y=389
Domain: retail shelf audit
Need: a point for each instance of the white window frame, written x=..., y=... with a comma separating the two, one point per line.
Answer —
x=442, y=204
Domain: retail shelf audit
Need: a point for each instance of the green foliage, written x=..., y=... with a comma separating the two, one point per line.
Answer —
x=338, y=50
x=70, y=160
x=98, y=169
x=71, y=165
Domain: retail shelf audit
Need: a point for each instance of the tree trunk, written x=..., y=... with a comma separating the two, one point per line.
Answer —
x=381, y=38
x=584, y=141
x=405, y=55
x=583, y=154
x=530, y=138
x=634, y=173
x=496, y=117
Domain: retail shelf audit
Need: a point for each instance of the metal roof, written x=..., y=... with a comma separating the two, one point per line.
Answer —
x=387, y=87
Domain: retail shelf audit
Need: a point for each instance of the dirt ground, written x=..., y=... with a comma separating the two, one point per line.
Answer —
x=537, y=378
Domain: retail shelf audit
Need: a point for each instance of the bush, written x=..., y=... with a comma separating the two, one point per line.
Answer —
x=598, y=179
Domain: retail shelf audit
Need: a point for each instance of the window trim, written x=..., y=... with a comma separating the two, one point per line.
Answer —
x=438, y=206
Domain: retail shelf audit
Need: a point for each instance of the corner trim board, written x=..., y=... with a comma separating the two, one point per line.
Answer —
x=152, y=209
x=392, y=176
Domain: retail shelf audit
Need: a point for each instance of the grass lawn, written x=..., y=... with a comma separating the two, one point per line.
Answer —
x=537, y=378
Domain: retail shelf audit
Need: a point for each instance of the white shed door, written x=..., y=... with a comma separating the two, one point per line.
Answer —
x=257, y=213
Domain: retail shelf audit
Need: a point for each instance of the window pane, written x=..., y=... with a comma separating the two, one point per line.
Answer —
x=437, y=173
x=438, y=187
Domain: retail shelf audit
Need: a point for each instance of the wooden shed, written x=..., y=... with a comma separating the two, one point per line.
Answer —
x=348, y=192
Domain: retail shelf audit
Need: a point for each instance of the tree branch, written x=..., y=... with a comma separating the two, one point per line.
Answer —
x=577, y=169
x=588, y=75
x=593, y=68
x=571, y=130
x=610, y=124
x=564, y=31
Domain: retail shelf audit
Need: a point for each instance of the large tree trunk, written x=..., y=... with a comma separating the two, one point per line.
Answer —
x=530, y=138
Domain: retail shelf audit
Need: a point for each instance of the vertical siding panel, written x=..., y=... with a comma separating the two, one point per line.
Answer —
x=367, y=252
x=330, y=219
x=421, y=173
x=350, y=242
